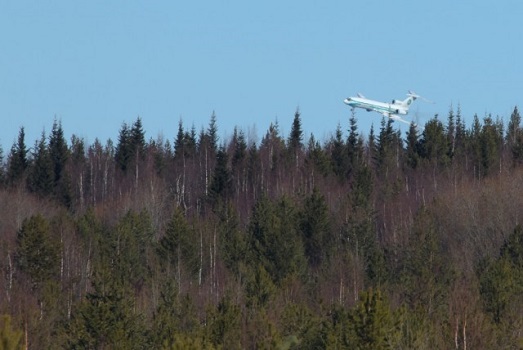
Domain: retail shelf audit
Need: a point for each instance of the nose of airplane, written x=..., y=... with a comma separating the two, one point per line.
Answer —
x=346, y=101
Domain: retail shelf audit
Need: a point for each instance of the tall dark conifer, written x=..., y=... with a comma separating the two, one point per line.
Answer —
x=123, y=153
x=41, y=175
x=17, y=162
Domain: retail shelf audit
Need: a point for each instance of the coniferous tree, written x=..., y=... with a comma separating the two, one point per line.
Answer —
x=386, y=148
x=130, y=243
x=426, y=273
x=178, y=247
x=339, y=155
x=501, y=280
x=10, y=339
x=474, y=146
x=233, y=244
x=179, y=142
x=107, y=318
x=220, y=188
x=38, y=253
x=451, y=133
x=434, y=143
x=137, y=139
x=223, y=328
x=295, y=142
x=274, y=240
x=2, y=168
x=373, y=324
x=212, y=133
x=514, y=137
x=239, y=162
x=491, y=139
x=17, y=162
x=59, y=151
x=354, y=146
x=316, y=157
x=315, y=229
x=123, y=155
x=413, y=147
x=41, y=176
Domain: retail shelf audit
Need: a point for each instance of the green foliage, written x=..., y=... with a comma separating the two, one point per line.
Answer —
x=315, y=228
x=106, y=319
x=413, y=150
x=359, y=227
x=40, y=179
x=316, y=159
x=223, y=324
x=293, y=246
x=274, y=239
x=515, y=136
x=259, y=287
x=426, y=274
x=338, y=155
x=295, y=142
x=221, y=187
x=434, y=143
x=178, y=247
x=372, y=322
x=10, y=339
x=38, y=252
x=17, y=162
x=233, y=244
x=124, y=249
x=501, y=280
x=491, y=139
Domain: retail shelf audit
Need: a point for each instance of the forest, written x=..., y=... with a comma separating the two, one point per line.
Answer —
x=378, y=241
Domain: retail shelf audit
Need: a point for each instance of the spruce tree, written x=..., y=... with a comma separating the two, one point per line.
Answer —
x=17, y=162
x=40, y=179
x=38, y=253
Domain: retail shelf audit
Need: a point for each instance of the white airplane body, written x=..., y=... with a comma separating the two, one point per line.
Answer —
x=390, y=110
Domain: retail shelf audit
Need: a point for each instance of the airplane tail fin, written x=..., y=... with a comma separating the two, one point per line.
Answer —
x=411, y=97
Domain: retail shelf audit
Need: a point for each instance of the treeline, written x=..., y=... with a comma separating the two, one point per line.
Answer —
x=356, y=242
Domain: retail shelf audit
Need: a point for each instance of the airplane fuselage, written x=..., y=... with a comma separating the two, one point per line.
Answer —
x=380, y=107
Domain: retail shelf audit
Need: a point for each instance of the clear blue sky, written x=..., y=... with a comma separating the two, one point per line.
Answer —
x=96, y=64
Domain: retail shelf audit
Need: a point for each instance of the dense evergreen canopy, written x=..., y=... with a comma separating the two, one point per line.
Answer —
x=353, y=242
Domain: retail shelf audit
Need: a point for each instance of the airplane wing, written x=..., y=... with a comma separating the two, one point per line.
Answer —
x=396, y=118
x=360, y=95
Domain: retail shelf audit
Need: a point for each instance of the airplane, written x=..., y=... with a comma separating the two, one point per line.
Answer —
x=390, y=110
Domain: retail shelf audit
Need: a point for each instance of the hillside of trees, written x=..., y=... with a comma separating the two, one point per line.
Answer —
x=378, y=241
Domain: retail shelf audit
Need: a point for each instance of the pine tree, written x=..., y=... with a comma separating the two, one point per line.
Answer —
x=223, y=324
x=178, y=247
x=221, y=186
x=123, y=155
x=38, y=254
x=316, y=159
x=10, y=339
x=434, y=143
x=315, y=229
x=413, y=147
x=137, y=135
x=295, y=142
x=17, y=162
x=2, y=168
x=491, y=139
x=515, y=136
x=212, y=133
x=58, y=151
x=339, y=155
x=354, y=146
x=41, y=176
x=372, y=322
x=274, y=240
